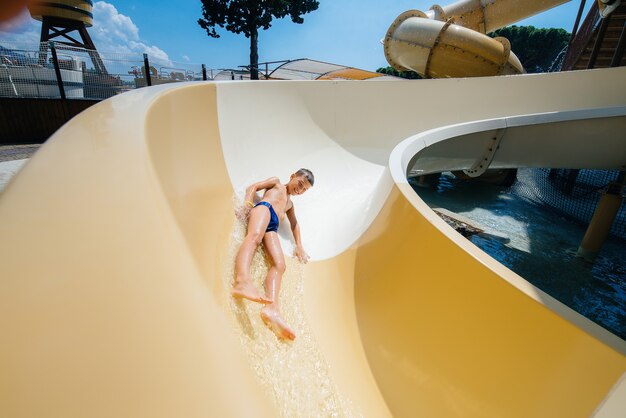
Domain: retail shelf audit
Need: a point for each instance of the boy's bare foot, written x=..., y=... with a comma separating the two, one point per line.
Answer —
x=272, y=319
x=248, y=291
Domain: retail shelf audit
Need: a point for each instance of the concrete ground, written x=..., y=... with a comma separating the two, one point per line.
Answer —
x=12, y=158
x=17, y=152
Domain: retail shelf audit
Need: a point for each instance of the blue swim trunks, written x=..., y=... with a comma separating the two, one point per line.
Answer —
x=273, y=225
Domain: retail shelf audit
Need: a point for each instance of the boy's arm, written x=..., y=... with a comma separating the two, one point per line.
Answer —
x=253, y=188
x=242, y=212
x=295, y=230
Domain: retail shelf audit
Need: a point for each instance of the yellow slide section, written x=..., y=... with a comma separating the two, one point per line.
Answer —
x=118, y=237
x=451, y=42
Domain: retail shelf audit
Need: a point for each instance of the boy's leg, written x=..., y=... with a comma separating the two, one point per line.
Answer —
x=258, y=220
x=271, y=313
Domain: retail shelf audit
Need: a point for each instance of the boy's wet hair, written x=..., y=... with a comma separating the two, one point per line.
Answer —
x=306, y=173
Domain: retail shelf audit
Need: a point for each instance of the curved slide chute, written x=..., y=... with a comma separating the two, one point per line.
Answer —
x=116, y=235
x=451, y=42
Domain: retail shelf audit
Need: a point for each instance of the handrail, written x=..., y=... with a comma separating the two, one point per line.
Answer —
x=6, y=67
x=581, y=40
x=577, y=22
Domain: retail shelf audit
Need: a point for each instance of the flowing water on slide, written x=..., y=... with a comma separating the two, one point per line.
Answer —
x=295, y=374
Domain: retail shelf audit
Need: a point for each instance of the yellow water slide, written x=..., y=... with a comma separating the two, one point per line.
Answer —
x=117, y=243
x=451, y=41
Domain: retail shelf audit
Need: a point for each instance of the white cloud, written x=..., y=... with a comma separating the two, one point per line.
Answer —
x=110, y=25
x=115, y=32
x=112, y=32
x=186, y=58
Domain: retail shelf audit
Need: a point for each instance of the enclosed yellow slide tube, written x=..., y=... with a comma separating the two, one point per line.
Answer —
x=451, y=42
x=116, y=257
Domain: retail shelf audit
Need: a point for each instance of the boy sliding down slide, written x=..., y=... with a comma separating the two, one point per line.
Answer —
x=263, y=219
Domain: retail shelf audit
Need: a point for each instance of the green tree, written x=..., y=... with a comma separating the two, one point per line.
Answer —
x=248, y=16
x=412, y=75
x=536, y=48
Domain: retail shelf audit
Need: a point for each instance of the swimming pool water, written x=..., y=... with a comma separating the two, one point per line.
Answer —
x=540, y=245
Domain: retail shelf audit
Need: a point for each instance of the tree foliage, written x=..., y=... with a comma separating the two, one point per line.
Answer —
x=412, y=75
x=248, y=16
x=536, y=48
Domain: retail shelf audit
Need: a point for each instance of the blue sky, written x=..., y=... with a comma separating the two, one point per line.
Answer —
x=340, y=31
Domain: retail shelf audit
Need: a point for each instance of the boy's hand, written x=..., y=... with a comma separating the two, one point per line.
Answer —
x=301, y=254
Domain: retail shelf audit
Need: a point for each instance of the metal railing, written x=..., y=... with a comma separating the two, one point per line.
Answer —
x=581, y=38
x=58, y=70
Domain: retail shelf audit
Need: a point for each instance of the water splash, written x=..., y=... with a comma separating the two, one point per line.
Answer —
x=557, y=63
x=295, y=374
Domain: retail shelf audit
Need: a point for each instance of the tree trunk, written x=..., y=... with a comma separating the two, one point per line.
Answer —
x=254, y=54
